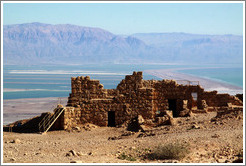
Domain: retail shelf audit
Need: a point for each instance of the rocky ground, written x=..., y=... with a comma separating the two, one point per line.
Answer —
x=208, y=140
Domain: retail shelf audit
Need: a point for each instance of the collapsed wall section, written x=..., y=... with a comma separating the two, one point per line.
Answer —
x=219, y=100
x=171, y=96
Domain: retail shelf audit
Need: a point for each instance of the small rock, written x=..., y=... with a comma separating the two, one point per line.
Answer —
x=195, y=127
x=16, y=141
x=25, y=154
x=215, y=136
x=73, y=152
x=90, y=153
x=80, y=154
x=172, y=121
x=227, y=161
x=115, y=138
x=77, y=128
x=12, y=159
x=76, y=161
x=68, y=154
x=220, y=160
x=170, y=161
x=140, y=135
x=132, y=148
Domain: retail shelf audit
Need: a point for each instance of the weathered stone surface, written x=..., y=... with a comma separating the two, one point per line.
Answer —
x=151, y=101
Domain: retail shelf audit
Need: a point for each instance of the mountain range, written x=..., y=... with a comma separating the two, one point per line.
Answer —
x=38, y=43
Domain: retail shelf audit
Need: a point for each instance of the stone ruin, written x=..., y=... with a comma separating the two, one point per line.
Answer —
x=154, y=101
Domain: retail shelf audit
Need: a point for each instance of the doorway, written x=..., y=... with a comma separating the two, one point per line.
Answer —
x=173, y=106
x=194, y=100
x=111, y=119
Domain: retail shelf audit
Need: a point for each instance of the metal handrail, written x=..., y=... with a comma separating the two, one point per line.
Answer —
x=48, y=121
x=44, y=120
x=52, y=108
x=53, y=119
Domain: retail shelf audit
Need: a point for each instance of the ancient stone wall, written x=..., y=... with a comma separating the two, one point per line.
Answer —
x=218, y=100
x=84, y=89
x=137, y=96
x=167, y=90
x=90, y=103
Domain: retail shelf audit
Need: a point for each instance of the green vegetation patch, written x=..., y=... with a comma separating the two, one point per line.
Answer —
x=170, y=151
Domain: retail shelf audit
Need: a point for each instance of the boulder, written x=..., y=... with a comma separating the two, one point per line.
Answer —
x=144, y=128
x=133, y=125
x=184, y=113
x=140, y=119
x=169, y=113
x=162, y=120
x=172, y=121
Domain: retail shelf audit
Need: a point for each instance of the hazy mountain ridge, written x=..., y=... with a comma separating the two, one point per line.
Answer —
x=35, y=43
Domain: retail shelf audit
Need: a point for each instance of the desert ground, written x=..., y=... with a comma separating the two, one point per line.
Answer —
x=208, y=139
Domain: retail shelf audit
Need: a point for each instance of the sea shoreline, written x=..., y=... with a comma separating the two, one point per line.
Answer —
x=207, y=84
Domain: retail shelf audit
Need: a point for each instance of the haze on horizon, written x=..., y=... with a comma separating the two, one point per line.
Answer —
x=130, y=18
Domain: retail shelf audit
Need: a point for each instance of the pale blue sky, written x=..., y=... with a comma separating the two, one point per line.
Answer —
x=198, y=18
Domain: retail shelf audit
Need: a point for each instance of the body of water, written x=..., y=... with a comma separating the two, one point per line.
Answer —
x=233, y=76
x=55, y=81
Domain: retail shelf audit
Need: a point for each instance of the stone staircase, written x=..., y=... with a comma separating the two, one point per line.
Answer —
x=50, y=119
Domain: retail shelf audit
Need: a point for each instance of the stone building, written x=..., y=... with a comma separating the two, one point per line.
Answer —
x=89, y=102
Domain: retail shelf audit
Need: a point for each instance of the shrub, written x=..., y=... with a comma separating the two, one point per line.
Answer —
x=170, y=151
x=123, y=156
